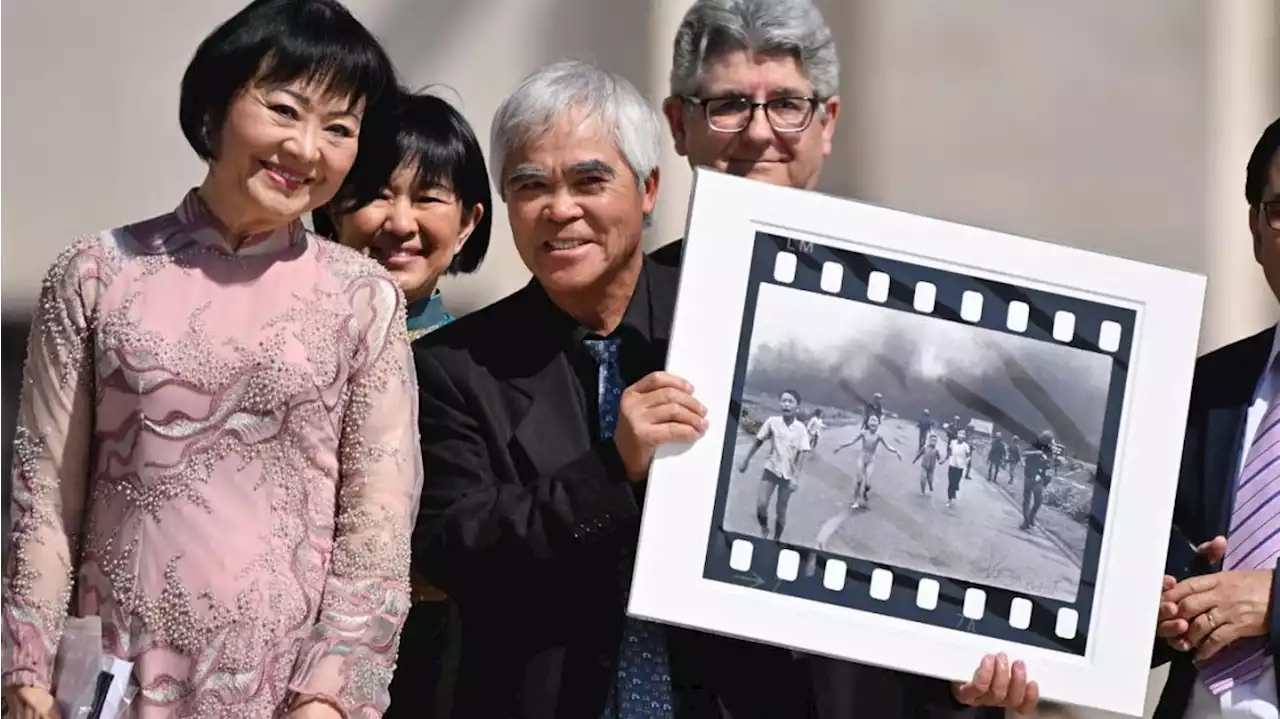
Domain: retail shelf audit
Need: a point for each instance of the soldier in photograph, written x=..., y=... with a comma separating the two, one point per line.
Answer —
x=874, y=408
x=926, y=426
x=1041, y=461
x=996, y=457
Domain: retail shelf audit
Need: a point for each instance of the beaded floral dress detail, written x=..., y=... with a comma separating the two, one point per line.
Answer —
x=217, y=453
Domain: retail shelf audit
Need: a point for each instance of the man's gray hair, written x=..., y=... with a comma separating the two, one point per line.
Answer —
x=713, y=28
x=583, y=92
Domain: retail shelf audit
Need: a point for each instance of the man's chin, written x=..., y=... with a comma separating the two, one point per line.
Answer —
x=774, y=173
x=577, y=278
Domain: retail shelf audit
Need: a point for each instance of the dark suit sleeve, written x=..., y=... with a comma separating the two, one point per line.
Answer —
x=473, y=529
x=845, y=689
x=670, y=254
x=938, y=693
x=1185, y=510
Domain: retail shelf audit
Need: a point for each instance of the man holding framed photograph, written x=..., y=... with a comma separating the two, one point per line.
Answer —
x=754, y=93
x=540, y=456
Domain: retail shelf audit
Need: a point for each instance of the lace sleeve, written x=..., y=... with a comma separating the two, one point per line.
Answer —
x=349, y=658
x=50, y=468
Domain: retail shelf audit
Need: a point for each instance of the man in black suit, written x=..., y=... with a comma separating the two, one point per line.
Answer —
x=539, y=417
x=754, y=93
x=1218, y=622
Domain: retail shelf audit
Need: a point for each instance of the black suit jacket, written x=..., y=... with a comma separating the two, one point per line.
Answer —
x=1221, y=393
x=528, y=521
x=670, y=254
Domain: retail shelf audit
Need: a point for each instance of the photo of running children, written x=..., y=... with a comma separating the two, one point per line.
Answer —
x=894, y=400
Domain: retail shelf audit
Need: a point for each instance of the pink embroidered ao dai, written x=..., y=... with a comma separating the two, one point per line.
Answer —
x=220, y=449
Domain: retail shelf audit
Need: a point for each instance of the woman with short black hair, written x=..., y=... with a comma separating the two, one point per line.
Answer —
x=216, y=450
x=420, y=204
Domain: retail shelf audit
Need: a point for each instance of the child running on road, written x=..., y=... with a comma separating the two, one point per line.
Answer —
x=788, y=444
x=870, y=440
x=930, y=454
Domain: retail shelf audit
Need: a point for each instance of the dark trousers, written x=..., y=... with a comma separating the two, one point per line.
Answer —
x=1032, y=497
x=430, y=645
x=954, y=475
x=993, y=472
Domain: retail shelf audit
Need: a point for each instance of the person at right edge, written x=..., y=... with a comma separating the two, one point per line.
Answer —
x=754, y=93
x=1216, y=627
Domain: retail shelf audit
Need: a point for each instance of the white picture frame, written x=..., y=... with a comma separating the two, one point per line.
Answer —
x=1093, y=651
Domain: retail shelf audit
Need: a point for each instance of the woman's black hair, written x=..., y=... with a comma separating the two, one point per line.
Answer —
x=277, y=42
x=434, y=139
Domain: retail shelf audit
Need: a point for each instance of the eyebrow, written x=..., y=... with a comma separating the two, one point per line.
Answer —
x=593, y=167
x=305, y=101
x=522, y=173
x=784, y=91
x=435, y=185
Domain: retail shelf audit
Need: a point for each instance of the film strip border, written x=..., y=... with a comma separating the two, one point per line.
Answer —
x=984, y=303
x=904, y=593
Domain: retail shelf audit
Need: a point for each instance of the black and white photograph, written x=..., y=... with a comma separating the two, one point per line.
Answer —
x=911, y=441
x=923, y=437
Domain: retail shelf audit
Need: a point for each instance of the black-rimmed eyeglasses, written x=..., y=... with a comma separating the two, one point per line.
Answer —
x=1271, y=213
x=733, y=113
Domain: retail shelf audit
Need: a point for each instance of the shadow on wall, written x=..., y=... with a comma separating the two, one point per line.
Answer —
x=13, y=352
x=841, y=174
x=414, y=34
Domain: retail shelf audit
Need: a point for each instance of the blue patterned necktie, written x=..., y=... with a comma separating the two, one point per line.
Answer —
x=642, y=687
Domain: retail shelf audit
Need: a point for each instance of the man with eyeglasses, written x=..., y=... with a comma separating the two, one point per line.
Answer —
x=752, y=108
x=754, y=93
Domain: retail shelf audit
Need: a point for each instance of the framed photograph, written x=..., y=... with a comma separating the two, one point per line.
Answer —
x=928, y=442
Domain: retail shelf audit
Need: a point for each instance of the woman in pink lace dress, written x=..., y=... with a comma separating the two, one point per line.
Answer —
x=217, y=450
